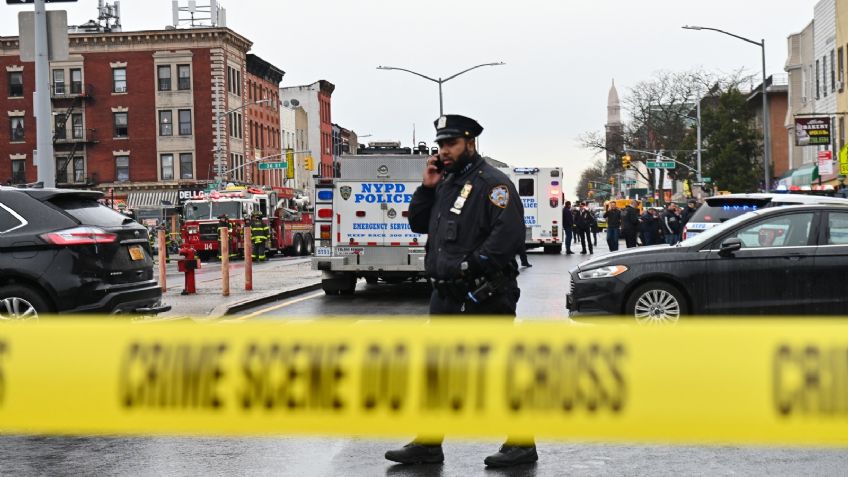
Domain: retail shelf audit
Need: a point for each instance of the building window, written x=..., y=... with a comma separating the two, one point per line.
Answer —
x=186, y=166
x=62, y=170
x=119, y=80
x=824, y=76
x=818, y=82
x=60, y=127
x=832, y=71
x=185, y=122
x=79, y=170
x=59, y=82
x=77, y=130
x=234, y=81
x=167, y=162
x=237, y=161
x=164, y=75
x=236, y=126
x=166, y=123
x=16, y=132
x=122, y=168
x=76, y=81
x=18, y=172
x=183, y=77
x=16, y=84
x=121, y=123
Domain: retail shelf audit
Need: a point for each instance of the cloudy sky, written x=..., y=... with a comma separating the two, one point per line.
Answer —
x=561, y=56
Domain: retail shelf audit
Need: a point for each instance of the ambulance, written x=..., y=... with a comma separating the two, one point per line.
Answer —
x=540, y=190
x=361, y=222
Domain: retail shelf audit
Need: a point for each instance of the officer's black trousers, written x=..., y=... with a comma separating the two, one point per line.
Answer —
x=503, y=303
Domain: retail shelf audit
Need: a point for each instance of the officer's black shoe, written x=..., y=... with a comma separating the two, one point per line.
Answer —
x=413, y=453
x=510, y=455
x=527, y=265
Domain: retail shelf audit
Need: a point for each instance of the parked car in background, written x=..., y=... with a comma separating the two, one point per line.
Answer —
x=61, y=251
x=721, y=208
x=774, y=261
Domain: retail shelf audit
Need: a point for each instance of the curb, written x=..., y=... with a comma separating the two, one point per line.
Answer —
x=233, y=308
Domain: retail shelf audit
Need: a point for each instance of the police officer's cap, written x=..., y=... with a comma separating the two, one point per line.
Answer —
x=452, y=126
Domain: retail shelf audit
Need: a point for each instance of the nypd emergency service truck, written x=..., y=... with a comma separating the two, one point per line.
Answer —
x=540, y=189
x=361, y=222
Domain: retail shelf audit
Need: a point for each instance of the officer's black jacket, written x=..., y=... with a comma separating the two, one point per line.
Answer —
x=485, y=235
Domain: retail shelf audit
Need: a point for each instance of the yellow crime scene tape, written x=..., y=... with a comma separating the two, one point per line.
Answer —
x=717, y=381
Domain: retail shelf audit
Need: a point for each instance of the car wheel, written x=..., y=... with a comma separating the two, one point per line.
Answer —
x=21, y=303
x=371, y=280
x=656, y=303
x=553, y=249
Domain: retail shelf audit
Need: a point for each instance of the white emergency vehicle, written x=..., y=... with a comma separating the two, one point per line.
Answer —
x=540, y=190
x=361, y=222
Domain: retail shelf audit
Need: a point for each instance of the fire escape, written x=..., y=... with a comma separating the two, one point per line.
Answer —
x=71, y=102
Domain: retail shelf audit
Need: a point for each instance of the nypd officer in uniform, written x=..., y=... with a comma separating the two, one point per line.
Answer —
x=475, y=225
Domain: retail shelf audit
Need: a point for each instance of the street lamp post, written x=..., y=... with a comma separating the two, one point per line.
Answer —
x=766, y=135
x=220, y=149
x=440, y=81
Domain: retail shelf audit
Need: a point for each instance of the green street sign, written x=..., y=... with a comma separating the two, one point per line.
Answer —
x=707, y=180
x=266, y=166
x=660, y=164
x=629, y=182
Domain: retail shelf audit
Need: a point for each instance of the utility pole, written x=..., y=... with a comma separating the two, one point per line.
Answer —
x=44, y=143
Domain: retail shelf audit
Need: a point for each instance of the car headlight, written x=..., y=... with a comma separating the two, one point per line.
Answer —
x=602, y=272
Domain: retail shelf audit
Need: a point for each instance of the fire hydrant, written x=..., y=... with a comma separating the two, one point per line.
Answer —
x=188, y=265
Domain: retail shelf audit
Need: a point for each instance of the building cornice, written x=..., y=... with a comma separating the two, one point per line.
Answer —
x=201, y=37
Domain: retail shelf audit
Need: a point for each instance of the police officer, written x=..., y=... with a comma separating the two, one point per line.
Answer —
x=224, y=223
x=259, y=236
x=475, y=225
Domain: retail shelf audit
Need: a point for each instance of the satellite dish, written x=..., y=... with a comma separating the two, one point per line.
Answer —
x=295, y=103
x=285, y=104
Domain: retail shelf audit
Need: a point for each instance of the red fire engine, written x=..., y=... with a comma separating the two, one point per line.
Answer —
x=288, y=220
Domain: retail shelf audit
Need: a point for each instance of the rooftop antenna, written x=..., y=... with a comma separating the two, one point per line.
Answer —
x=189, y=13
x=108, y=19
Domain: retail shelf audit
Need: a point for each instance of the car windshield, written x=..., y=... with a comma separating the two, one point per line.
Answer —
x=210, y=210
x=710, y=234
x=90, y=212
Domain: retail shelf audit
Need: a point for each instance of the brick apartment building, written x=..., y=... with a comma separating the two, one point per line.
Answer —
x=316, y=101
x=137, y=113
x=263, y=122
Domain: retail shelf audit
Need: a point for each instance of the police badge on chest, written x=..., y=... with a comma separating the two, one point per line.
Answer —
x=459, y=203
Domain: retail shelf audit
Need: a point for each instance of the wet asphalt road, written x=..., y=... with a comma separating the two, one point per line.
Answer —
x=543, y=289
x=543, y=297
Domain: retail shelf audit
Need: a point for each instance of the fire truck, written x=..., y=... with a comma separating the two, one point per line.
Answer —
x=287, y=215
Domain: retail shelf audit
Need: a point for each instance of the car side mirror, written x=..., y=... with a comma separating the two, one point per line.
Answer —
x=730, y=245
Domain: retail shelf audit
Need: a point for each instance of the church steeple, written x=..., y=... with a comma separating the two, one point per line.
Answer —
x=613, y=107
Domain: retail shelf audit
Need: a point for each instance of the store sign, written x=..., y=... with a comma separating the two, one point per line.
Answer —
x=825, y=163
x=812, y=131
x=188, y=194
x=843, y=161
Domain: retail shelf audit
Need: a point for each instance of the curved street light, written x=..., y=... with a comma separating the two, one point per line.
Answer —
x=766, y=135
x=218, y=174
x=440, y=81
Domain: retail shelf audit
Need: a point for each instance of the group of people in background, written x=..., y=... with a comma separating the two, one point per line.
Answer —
x=648, y=227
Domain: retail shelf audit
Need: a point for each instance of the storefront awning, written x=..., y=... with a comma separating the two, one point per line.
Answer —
x=805, y=175
x=152, y=199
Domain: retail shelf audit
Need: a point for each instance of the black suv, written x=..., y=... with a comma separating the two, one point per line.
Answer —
x=61, y=251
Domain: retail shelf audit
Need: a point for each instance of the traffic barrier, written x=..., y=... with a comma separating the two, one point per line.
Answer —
x=715, y=382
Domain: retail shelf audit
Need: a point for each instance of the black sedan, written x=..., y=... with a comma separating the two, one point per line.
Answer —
x=787, y=260
x=63, y=252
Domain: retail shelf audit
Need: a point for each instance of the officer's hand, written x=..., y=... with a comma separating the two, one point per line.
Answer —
x=432, y=175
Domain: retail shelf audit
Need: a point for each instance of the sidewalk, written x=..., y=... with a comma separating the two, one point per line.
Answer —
x=273, y=280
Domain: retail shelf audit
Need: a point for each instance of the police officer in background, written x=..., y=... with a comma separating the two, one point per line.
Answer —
x=475, y=225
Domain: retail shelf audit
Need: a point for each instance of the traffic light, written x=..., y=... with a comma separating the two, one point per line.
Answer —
x=310, y=164
x=625, y=161
x=612, y=180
